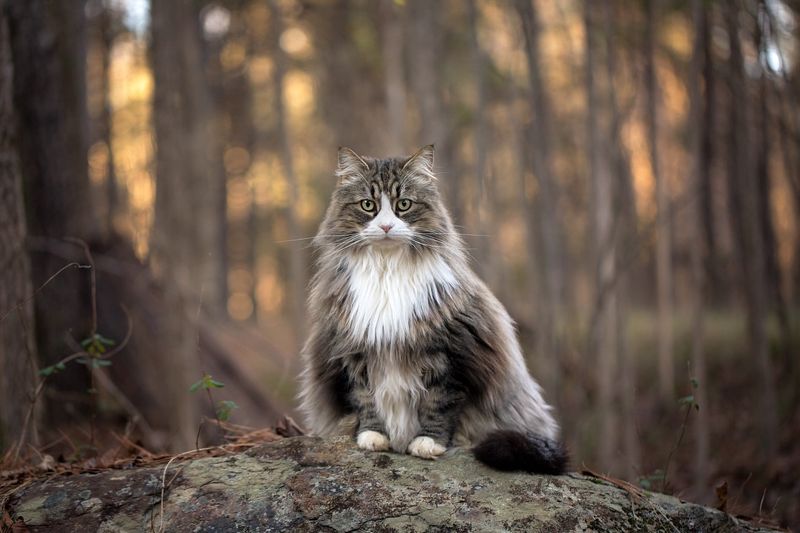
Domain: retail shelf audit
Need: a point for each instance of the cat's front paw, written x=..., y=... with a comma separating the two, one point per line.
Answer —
x=426, y=448
x=372, y=441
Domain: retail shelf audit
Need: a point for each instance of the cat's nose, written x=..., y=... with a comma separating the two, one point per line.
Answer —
x=386, y=227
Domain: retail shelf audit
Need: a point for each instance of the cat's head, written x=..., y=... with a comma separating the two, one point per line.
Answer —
x=386, y=204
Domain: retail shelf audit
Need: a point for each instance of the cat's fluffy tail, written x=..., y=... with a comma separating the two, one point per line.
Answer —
x=514, y=450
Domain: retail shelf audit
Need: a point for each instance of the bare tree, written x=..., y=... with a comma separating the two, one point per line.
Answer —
x=666, y=371
x=102, y=39
x=427, y=43
x=48, y=45
x=772, y=271
x=484, y=201
x=184, y=239
x=623, y=231
x=297, y=266
x=605, y=335
x=17, y=346
x=701, y=164
x=747, y=229
x=392, y=18
x=549, y=225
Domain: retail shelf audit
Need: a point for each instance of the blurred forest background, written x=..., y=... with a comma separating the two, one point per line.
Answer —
x=628, y=173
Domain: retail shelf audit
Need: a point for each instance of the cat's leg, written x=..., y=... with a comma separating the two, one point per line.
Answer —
x=438, y=413
x=371, y=430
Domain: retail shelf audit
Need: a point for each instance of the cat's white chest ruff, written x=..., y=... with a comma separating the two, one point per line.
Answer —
x=388, y=290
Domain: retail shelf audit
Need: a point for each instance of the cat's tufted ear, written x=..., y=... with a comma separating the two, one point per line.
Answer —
x=421, y=163
x=350, y=164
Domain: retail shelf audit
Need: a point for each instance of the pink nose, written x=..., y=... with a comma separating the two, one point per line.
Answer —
x=386, y=227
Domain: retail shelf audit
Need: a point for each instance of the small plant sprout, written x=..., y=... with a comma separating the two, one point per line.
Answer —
x=222, y=410
x=206, y=383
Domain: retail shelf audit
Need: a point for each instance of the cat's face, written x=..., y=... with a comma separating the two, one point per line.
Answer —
x=386, y=203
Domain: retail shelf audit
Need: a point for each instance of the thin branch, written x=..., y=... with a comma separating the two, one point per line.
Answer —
x=43, y=285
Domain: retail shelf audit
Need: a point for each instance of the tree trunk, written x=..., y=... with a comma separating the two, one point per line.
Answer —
x=546, y=200
x=747, y=229
x=297, y=260
x=427, y=42
x=701, y=166
x=308, y=484
x=102, y=40
x=772, y=270
x=48, y=46
x=392, y=16
x=17, y=346
x=184, y=243
x=604, y=341
x=666, y=370
x=483, y=204
x=623, y=231
x=706, y=192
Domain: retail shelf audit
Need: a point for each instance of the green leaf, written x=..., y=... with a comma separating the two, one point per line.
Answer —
x=47, y=371
x=206, y=382
x=97, y=363
x=695, y=383
x=105, y=340
x=686, y=400
x=224, y=409
x=86, y=342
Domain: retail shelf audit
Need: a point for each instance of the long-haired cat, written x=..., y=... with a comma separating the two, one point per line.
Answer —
x=406, y=341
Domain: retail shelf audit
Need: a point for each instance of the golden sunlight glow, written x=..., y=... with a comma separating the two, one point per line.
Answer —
x=635, y=139
x=260, y=69
x=298, y=93
x=233, y=55
x=238, y=199
x=295, y=42
x=240, y=306
x=131, y=86
x=269, y=291
x=98, y=163
x=236, y=159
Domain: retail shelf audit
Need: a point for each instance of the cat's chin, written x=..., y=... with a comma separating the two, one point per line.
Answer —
x=387, y=243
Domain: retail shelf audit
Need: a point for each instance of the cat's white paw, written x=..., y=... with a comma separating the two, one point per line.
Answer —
x=426, y=447
x=372, y=441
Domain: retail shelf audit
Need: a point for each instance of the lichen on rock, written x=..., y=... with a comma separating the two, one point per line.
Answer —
x=310, y=484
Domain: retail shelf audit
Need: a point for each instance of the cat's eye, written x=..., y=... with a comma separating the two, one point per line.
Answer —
x=403, y=204
x=368, y=205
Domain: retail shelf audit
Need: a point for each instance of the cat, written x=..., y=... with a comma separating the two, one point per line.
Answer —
x=408, y=349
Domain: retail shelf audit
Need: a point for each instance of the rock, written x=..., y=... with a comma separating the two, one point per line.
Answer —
x=310, y=484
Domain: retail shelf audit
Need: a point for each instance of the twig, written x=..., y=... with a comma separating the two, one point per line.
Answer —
x=126, y=441
x=631, y=489
x=74, y=264
x=65, y=360
x=164, y=480
x=634, y=492
x=90, y=260
x=677, y=445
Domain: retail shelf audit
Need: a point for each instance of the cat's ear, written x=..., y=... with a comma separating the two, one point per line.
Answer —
x=350, y=164
x=421, y=163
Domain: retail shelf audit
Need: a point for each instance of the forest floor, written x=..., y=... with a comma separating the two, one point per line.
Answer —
x=743, y=479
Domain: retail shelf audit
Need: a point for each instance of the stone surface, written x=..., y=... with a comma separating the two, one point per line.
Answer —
x=309, y=484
